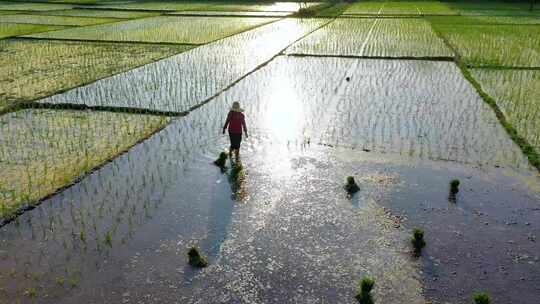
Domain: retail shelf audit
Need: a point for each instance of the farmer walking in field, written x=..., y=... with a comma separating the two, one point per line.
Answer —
x=236, y=123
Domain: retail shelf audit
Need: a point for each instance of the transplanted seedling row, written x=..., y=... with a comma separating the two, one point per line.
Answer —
x=101, y=13
x=374, y=38
x=211, y=6
x=52, y=66
x=517, y=93
x=493, y=45
x=168, y=29
x=17, y=29
x=20, y=6
x=397, y=8
x=186, y=80
x=54, y=20
x=44, y=150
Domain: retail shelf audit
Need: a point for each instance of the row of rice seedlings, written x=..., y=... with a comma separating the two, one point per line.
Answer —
x=160, y=6
x=273, y=7
x=183, y=81
x=463, y=6
x=54, y=20
x=100, y=13
x=340, y=37
x=435, y=8
x=18, y=6
x=16, y=29
x=374, y=38
x=483, y=20
x=43, y=150
x=400, y=8
x=513, y=13
x=517, y=93
x=405, y=38
x=231, y=13
x=83, y=224
x=168, y=29
x=211, y=6
x=37, y=68
x=485, y=45
x=365, y=7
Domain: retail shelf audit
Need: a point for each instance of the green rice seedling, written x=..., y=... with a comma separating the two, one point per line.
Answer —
x=82, y=236
x=73, y=281
x=222, y=160
x=454, y=186
x=196, y=259
x=60, y=280
x=237, y=173
x=418, y=241
x=350, y=186
x=481, y=298
x=363, y=294
x=108, y=238
x=30, y=292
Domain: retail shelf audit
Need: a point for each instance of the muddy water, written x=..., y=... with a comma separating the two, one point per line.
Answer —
x=185, y=80
x=292, y=235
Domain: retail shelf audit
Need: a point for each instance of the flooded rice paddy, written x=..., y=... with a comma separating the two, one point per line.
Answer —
x=164, y=29
x=374, y=38
x=38, y=68
x=184, y=81
x=394, y=102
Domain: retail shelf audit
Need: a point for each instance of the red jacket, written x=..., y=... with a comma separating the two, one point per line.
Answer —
x=236, y=122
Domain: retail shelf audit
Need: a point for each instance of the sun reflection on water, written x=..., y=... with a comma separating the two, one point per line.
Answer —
x=284, y=115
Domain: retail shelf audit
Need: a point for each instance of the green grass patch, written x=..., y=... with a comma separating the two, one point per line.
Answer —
x=16, y=29
x=54, y=20
x=163, y=29
x=487, y=45
x=37, y=68
x=101, y=13
x=517, y=93
x=42, y=151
